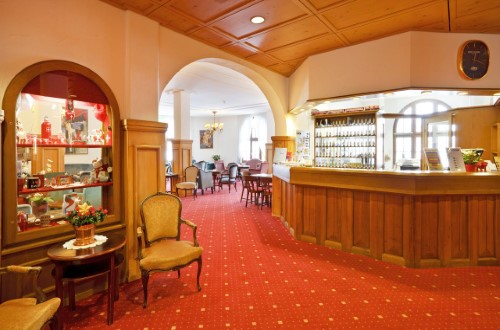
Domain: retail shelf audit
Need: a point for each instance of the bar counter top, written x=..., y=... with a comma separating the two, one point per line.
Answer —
x=400, y=182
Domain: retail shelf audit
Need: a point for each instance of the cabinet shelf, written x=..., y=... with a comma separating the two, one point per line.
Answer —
x=65, y=187
x=63, y=145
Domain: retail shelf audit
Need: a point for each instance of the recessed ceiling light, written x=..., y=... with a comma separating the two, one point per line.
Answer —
x=257, y=19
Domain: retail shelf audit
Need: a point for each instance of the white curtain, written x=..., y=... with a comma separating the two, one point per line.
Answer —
x=257, y=125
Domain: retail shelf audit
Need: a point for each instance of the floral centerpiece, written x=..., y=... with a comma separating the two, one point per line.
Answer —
x=83, y=218
x=39, y=204
x=216, y=157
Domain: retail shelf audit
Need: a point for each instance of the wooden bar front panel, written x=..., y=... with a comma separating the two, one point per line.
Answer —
x=413, y=230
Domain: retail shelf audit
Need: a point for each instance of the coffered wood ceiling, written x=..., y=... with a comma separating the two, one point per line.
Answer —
x=296, y=29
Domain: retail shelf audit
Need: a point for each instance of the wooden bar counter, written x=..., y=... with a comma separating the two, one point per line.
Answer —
x=411, y=218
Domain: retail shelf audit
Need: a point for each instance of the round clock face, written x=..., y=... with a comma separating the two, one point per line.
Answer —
x=473, y=59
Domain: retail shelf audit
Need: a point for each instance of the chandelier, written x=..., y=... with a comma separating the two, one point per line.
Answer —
x=214, y=127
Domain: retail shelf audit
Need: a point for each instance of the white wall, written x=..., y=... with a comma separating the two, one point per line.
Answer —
x=135, y=56
x=412, y=59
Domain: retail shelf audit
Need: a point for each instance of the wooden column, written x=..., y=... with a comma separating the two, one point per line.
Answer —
x=144, y=171
x=182, y=155
x=269, y=156
x=287, y=142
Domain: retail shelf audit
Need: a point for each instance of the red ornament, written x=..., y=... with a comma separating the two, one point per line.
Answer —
x=100, y=112
x=46, y=129
x=70, y=115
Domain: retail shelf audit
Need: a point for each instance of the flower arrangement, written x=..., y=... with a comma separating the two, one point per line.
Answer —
x=216, y=157
x=38, y=198
x=86, y=214
x=471, y=156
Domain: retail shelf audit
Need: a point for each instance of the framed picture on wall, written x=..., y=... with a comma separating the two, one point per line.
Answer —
x=206, y=139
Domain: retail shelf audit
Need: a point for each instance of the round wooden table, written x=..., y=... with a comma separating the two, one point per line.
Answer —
x=85, y=263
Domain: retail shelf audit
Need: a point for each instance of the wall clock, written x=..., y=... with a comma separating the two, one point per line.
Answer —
x=473, y=59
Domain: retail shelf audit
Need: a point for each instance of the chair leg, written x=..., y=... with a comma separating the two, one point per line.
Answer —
x=54, y=322
x=198, y=274
x=71, y=295
x=145, y=278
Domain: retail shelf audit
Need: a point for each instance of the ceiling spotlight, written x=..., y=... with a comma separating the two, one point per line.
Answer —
x=257, y=19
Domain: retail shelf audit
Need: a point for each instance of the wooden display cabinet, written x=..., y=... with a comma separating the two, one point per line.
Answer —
x=346, y=139
x=22, y=246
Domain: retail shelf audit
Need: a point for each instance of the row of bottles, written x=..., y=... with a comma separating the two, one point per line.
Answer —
x=366, y=161
x=345, y=127
x=365, y=141
x=346, y=141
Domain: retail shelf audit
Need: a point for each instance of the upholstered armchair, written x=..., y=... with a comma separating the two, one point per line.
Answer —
x=28, y=313
x=205, y=178
x=160, y=247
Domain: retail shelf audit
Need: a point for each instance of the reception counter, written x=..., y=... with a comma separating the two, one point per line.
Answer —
x=414, y=219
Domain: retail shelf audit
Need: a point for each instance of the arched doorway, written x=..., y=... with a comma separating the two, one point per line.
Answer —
x=219, y=85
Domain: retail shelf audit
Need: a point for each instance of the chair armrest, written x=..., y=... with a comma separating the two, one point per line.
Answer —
x=194, y=227
x=139, y=242
x=35, y=271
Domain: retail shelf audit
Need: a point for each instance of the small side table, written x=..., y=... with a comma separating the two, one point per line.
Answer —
x=105, y=253
x=171, y=179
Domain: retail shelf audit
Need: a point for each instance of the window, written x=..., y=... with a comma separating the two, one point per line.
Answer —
x=408, y=131
x=253, y=137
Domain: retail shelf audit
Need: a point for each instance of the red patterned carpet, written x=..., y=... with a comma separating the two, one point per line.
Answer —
x=256, y=276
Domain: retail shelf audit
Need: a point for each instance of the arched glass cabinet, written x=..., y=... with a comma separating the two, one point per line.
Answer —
x=60, y=147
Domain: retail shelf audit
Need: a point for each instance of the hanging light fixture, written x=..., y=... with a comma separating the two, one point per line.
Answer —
x=214, y=127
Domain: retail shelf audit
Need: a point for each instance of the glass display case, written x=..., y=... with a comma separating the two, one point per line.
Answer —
x=60, y=152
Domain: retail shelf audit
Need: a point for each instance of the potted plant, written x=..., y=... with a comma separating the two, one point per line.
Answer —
x=83, y=219
x=216, y=157
x=471, y=157
x=39, y=204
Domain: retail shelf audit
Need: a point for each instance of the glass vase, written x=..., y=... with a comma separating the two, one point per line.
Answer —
x=39, y=208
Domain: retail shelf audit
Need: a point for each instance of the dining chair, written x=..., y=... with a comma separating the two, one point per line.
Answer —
x=266, y=191
x=160, y=246
x=244, y=174
x=229, y=178
x=253, y=190
x=191, y=174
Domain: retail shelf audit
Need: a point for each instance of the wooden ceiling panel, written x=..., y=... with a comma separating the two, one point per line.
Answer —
x=359, y=12
x=283, y=68
x=469, y=7
x=321, y=4
x=415, y=20
x=172, y=20
x=308, y=47
x=289, y=34
x=140, y=6
x=239, y=50
x=211, y=37
x=276, y=12
x=206, y=11
x=479, y=23
x=263, y=60
x=296, y=29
